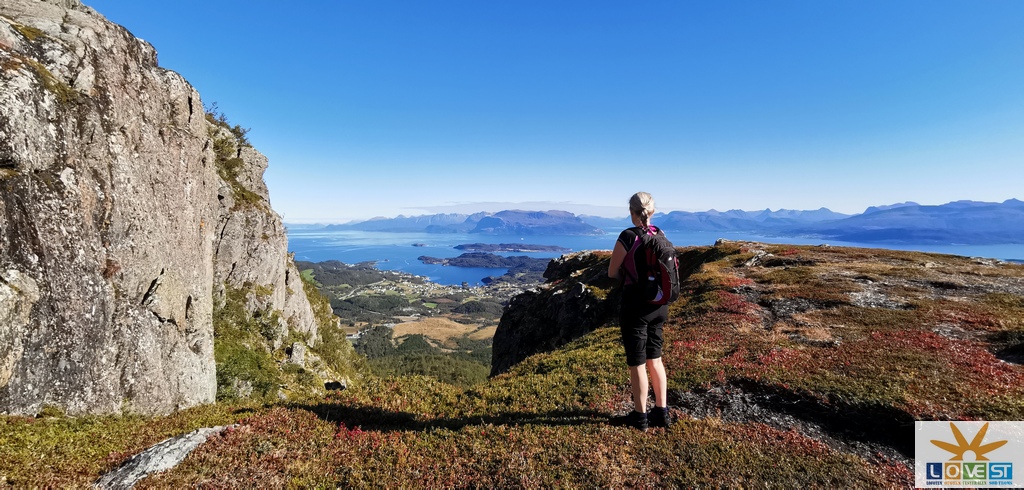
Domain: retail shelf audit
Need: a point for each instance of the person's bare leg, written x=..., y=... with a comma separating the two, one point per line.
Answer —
x=638, y=383
x=658, y=381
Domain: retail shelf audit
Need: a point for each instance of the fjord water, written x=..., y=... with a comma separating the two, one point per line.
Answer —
x=396, y=251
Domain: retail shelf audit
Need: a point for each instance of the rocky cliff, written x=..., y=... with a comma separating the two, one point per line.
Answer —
x=127, y=216
x=573, y=302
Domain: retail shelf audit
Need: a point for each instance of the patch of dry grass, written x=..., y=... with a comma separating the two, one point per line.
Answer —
x=484, y=333
x=442, y=330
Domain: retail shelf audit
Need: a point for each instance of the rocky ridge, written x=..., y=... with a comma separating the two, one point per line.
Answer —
x=121, y=229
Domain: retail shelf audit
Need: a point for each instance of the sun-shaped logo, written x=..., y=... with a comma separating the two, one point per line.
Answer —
x=962, y=446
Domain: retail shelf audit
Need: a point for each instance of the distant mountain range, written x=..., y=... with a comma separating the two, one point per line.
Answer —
x=513, y=222
x=431, y=223
x=748, y=221
x=960, y=222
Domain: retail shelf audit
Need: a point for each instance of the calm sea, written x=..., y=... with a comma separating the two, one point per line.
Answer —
x=396, y=251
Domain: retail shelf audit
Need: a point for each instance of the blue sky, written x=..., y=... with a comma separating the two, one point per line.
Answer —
x=379, y=108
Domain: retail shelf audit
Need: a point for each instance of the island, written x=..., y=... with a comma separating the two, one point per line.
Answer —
x=521, y=269
x=487, y=260
x=510, y=247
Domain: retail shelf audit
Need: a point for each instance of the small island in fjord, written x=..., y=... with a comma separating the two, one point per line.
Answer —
x=510, y=247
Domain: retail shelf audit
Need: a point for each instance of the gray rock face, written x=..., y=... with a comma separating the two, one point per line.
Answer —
x=117, y=234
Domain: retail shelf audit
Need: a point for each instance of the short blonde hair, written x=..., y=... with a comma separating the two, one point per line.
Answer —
x=642, y=205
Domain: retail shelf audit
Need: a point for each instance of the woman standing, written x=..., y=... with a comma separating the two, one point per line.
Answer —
x=640, y=321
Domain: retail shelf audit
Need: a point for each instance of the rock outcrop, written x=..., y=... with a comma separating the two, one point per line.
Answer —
x=122, y=222
x=577, y=298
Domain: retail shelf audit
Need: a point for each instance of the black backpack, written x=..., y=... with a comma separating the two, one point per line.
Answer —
x=660, y=280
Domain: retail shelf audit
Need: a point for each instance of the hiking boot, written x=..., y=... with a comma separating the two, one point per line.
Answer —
x=659, y=417
x=636, y=420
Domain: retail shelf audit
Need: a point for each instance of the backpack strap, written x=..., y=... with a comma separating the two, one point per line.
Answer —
x=632, y=275
x=629, y=263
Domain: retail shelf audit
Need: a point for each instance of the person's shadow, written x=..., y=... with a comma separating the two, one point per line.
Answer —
x=374, y=418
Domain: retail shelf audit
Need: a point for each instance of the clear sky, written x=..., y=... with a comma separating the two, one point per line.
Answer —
x=379, y=107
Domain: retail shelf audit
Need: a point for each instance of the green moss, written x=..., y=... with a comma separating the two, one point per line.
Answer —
x=30, y=33
x=245, y=372
x=695, y=305
x=1005, y=301
x=51, y=411
x=63, y=92
x=856, y=320
x=263, y=291
x=293, y=337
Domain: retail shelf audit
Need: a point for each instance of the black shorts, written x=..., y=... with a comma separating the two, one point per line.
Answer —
x=641, y=325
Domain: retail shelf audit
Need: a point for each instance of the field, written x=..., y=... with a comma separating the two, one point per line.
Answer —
x=443, y=331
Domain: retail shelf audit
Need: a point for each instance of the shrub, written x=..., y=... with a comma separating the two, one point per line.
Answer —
x=447, y=368
x=243, y=358
x=334, y=349
x=376, y=342
x=489, y=309
x=416, y=343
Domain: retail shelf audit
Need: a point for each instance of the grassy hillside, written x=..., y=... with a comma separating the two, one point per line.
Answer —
x=788, y=366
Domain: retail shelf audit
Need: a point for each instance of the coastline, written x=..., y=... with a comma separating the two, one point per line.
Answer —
x=395, y=251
